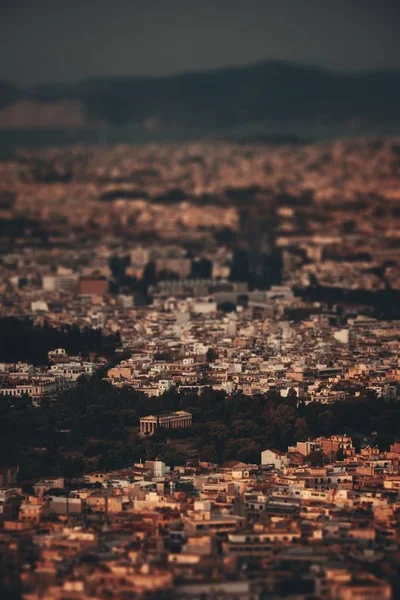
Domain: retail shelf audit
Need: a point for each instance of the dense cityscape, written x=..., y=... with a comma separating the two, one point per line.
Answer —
x=199, y=371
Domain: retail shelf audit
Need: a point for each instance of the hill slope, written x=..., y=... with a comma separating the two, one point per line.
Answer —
x=228, y=97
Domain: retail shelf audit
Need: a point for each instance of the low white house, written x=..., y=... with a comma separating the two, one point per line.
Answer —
x=275, y=458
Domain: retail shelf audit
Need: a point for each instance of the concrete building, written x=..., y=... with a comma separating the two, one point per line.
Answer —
x=275, y=458
x=93, y=286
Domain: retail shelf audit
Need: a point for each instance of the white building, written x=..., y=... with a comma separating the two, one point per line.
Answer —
x=274, y=458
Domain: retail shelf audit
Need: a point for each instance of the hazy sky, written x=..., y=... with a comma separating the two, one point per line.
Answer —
x=66, y=40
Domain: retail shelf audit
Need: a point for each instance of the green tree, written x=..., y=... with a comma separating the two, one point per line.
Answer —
x=211, y=355
x=326, y=423
x=316, y=458
x=301, y=429
x=340, y=454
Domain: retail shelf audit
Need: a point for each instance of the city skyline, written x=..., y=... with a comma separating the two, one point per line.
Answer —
x=199, y=300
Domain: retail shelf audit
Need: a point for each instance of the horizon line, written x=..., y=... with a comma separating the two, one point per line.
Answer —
x=205, y=70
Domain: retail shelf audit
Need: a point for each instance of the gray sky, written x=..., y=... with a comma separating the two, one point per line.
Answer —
x=60, y=40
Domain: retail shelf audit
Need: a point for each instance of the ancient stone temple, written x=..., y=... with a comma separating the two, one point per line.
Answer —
x=170, y=420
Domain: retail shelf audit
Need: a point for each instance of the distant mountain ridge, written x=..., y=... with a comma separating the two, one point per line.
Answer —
x=217, y=99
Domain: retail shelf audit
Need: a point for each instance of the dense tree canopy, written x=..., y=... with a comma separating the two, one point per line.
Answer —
x=22, y=340
x=95, y=426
